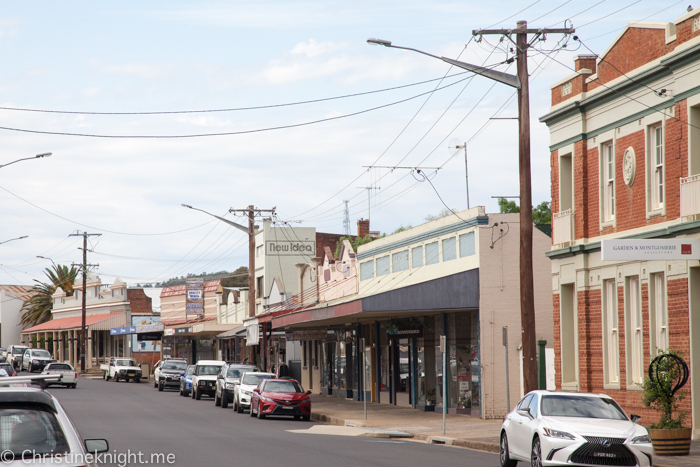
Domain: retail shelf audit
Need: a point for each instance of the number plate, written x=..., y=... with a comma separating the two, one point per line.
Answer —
x=604, y=454
x=131, y=374
x=289, y=408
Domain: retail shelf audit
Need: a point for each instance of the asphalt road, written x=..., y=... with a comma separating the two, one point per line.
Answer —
x=137, y=418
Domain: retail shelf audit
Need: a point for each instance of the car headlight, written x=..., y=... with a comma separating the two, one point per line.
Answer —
x=557, y=434
x=266, y=399
x=122, y=371
x=230, y=386
x=305, y=401
x=247, y=393
x=644, y=439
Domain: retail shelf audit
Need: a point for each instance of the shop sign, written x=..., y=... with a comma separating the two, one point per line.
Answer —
x=122, y=330
x=150, y=328
x=198, y=328
x=289, y=248
x=168, y=332
x=194, y=296
x=645, y=249
x=305, y=335
x=182, y=330
x=148, y=336
x=406, y=333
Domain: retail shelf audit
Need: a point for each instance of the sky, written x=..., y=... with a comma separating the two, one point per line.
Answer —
x=297, y=104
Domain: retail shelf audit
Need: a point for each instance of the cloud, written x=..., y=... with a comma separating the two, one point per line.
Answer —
x=313, y=49
x=91, y=92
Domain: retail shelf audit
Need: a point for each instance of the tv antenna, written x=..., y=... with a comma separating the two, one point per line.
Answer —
x=455, y=146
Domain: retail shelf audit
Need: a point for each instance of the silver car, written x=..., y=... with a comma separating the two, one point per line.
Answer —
x=34, y=429
x=244, y=390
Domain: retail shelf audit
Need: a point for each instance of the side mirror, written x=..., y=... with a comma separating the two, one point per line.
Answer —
x=256, y=390
x=525, y=412
x=93, y=446
x=220, y=376
x=308, y=392
x=635, y=418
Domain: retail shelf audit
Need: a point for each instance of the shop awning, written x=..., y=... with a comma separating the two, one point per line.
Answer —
x=158, y=327
x=100, y=322
x=232, y=333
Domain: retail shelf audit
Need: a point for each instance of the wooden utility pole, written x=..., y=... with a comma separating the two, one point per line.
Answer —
x=251, y=211
x=83, y=267
x=527, y=296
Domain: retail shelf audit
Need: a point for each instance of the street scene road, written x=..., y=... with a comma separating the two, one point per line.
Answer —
x=137, y=418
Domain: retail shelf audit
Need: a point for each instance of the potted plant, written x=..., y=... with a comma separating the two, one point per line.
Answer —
x=668, y=373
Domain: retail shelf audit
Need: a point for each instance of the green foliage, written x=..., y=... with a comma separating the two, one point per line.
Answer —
x=506, y=207
x=37, y=309
x=205, y=276
x=401, y=229
x=356, y=242
x=542, y=213
x=239, y=278
x=657, y=394
x=444, y=212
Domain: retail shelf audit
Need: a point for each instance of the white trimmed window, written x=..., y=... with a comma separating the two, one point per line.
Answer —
x=635, y=335
x=611, y=334
x=656, y=146
x=658, y=314
x=608, y=182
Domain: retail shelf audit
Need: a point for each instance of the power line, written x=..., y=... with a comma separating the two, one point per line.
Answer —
x=603, y=17
x=230, y=133
x=233, y=109
x=638, y=21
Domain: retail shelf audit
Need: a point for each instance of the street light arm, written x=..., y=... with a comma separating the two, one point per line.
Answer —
x=45, y=154
x=18, y=238
x=231, y=223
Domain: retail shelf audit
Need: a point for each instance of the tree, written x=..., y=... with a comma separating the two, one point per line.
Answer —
x=238, y=278
x=37, y=309
x=542, y=213
x=506, y=206
x=355, y=242
x=444, y=212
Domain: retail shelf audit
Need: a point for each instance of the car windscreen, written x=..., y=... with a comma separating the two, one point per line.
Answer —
x=237, y=372
x=190, y=369
x=28, y=431
x=125, y=363
x=7, y=367
x=59, y=366
x=254, y=378
x=175, y=366
x=282, y=386
x=208, y=370
x=18, y=350
x=580, y=406
x=41, y=353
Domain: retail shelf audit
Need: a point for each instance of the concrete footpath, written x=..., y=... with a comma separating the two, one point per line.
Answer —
x=390, y=421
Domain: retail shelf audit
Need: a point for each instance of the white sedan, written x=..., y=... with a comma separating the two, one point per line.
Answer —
x=70, y=376
x=559, y=428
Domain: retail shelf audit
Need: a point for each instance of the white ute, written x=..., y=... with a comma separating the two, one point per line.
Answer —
x=121, y=368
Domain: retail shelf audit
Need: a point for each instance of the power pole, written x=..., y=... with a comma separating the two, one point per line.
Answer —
x=527, y=297
x=251, y=211
x=83, y=267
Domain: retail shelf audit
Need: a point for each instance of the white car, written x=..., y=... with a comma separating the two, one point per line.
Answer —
x=562, y=428
x=244, y=390
x=70, y=376
x=36, y=430
x=204, y=378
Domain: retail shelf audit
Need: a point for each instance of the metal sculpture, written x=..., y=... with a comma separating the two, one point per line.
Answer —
x=669, y=368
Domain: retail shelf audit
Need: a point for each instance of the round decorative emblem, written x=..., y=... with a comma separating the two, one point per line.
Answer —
x=629, y=164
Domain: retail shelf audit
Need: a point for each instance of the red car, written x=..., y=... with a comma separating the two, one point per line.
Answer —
x=283, y=397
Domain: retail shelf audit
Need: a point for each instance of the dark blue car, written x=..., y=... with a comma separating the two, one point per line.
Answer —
x=186, y=381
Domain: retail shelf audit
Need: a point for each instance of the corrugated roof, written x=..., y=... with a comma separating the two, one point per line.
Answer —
x=209, y=286
x=17, y=291
x=73, y=322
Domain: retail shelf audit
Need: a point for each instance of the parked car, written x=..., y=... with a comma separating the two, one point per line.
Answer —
x=573, y=428
x=3, y=354
x=204, y=378
x=8, y=368
x=14, y=355
x=70, y=376
x=186, y=381
x=168, y=374
x=35, y=359
x=36, y=428
x=121, y=368
x=280, y=397
x=227, y=380
x=244, y=390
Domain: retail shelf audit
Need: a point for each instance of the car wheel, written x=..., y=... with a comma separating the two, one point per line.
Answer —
x=116, y=378
x=197, y=394
x=155, y=383
x=74, y=385
x=137, y=380
x=107, y=377
x=217, y=400
x=536, y=456
x=160, y=387
x=506, y=461
x=127, y=380
x=224, y=401
x=306, y=418
x=104, y=376
x=261, y=415
x=297, y=417
x=252, y=414
x=29, y=368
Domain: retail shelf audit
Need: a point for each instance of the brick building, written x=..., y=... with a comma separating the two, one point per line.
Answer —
x=625, y=163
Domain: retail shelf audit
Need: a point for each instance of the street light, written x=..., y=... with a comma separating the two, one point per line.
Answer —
x=520, y=82
x=238, y=226
x=43, y=154
x=44, y=257
x=18, y=238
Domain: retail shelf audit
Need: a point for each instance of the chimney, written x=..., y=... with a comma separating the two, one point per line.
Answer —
x=363, y=228
x=585, y=61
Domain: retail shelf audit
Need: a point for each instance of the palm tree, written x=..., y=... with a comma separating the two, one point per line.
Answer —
x=37, y=309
